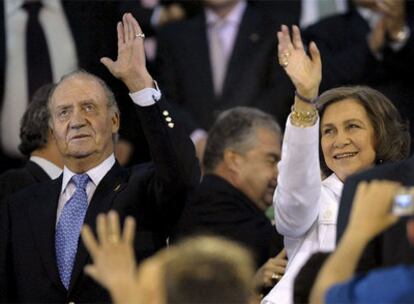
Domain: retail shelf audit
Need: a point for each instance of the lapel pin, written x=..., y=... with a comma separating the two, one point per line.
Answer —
x=117, y=188
x=254, y=37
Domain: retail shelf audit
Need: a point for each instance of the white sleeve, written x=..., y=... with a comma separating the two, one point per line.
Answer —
x=146, y=97
x=296, y=199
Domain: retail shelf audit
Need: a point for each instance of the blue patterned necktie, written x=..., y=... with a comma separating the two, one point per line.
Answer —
x=68, y=228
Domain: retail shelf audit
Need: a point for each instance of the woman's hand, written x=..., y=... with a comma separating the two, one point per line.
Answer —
x=304, y=71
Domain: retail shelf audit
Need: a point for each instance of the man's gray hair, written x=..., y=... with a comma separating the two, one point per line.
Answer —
x=110, y=98
x=236, y=129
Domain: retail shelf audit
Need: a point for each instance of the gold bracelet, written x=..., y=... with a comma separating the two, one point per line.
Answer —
x=303, y=119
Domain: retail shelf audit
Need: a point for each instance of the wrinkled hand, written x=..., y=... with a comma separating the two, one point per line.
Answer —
x=394, y=15
x=130, y=64
x=371, y=211
x=271, y=272
x=304, y=71
x=113, y=258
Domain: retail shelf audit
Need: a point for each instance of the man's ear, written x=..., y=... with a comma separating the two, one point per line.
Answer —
x=115, y=122
x=232, y=160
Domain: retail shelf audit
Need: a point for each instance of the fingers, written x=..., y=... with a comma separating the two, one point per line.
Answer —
x=129, y=230
x=282, y=254
x=89, y=241
x=314, y=53
x=108, y=63
x=92, y=272
x=296, y=37
x=134, y=24
x=101, y=229
x=113, y=225
x=120, y=34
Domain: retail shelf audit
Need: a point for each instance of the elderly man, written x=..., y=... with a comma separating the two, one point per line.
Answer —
x=41, y=259
x=37, y=143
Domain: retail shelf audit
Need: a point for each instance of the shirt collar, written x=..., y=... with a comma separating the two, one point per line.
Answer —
x=14, y=5
x=335, y=184
x=50, y=168
x=95, y=174
x=233, y=17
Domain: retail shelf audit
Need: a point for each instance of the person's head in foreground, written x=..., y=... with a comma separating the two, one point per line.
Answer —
x=243, y=147
x=197, y=270
x=360, y=127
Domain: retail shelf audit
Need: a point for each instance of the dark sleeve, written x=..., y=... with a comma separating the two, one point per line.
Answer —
x=372, y=256
x=169, y=78
x=177, y=171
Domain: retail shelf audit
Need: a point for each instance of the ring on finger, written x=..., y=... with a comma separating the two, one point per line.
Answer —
x=140, y=35
x=276, y=276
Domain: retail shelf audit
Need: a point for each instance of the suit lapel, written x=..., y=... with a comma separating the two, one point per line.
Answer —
x=248, y=37
x=200, y=49
x=42, y=214
x=110, y=186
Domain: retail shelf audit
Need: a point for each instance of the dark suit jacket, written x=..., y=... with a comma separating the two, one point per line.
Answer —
x=219, y=208
x=13, y=180
x=154, y=193
x=253, y=77
x=391, y=247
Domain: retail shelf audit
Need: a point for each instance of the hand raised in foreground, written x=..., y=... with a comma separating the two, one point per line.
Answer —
x=114, y=265
x=130, y=64
x=371, y=212
x=304, y=71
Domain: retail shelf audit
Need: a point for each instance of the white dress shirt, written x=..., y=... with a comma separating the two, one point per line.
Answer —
x=63, y=59
x=143, y=98
x=228, y=32
x=306, y=207
x=50, y=168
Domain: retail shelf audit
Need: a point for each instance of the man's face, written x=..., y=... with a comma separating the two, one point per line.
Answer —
x=81, y=121
x=213, y=4
x=257, y=168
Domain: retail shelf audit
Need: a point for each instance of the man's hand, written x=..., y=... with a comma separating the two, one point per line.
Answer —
x=271, y=272
x=394, y=16
x=371, y=211
x=113, y=258
x=130, y=65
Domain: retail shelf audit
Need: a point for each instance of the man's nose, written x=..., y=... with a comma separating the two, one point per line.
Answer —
x=77, y=120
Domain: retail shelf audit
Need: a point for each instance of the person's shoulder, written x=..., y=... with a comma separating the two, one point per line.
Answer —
x=12, y=174
x=29, y=194
x=393, y=171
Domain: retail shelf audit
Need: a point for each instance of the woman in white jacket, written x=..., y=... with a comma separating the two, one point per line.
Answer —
x=357, y=127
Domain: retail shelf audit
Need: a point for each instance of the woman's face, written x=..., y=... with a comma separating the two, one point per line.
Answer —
x=347, y=139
